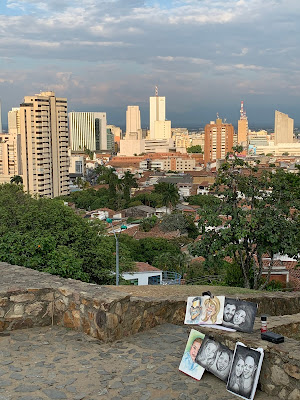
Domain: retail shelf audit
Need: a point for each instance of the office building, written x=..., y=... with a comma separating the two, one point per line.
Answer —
x=44, y=144
x=218, y=139
x=88, y=131
x=133, y=123
x=159, y=127
x=284, y=128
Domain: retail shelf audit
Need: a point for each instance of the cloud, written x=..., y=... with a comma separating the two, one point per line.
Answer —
x=115, y=51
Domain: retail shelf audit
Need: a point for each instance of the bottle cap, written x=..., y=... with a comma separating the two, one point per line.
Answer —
x=263, y=318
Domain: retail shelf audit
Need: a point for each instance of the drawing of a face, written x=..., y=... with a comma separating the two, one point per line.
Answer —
x=249, y=367
x=239, y=368
x=223, y=361
x=229, y=312
x=195, y=309
x=211, y=309
x=239, y=317
x=194, y=350
x=210, y=350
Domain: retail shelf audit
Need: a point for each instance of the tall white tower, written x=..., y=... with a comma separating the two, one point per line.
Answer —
x=133, y=122
x=157, y=114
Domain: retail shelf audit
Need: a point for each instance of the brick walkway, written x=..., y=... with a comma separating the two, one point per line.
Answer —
x=56, y=363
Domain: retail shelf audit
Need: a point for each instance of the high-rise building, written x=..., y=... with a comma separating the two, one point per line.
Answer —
x=159, y=127
x=14, y=121
x=10, y=157
x=44, y=144
x=218, y=140
x=88, y=131
x=243, y=127
x=133, y=122
x=284, y=128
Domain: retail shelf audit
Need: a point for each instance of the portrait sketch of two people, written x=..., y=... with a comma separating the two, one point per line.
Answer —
x=215, y=358
x=204, y=310
x=245, y=370
x=239, y=314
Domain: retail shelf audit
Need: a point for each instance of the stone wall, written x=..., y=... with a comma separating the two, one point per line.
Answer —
x=29, y=298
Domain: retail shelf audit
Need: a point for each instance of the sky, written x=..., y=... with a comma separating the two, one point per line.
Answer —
x=204, y=55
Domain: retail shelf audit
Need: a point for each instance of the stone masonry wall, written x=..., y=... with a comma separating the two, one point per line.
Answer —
x=29, y=298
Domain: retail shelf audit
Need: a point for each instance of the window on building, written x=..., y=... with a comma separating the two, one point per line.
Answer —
x=78, y=167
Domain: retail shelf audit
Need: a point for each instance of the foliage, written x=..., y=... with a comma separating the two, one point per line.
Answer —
x=182, y=222
x=17, y=179
x=152, y=199
x=89, y=199
x=148, y=223
x=195, y=149
x=169, y=193
x=204, y=200
x=116, y=196
x=147, y=249
x=46, y=235
x=254, y=218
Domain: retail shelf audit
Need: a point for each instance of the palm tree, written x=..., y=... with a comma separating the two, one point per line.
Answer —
x=128, y=182
x=17, y=179
x=169, y=192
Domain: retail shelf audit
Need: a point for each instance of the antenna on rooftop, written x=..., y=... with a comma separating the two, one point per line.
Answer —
x=242, y=111
x=218, y=115
x=156, y=90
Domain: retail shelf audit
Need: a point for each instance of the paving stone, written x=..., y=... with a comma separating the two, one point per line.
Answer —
x=16, y=376
x=5, y=383
x=27, y=388
x=54, y=394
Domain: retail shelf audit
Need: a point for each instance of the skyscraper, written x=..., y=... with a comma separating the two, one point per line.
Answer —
x=14, y=121
x=284, y=128
x=159, y=127
x=44, y=144
x=218, y=140
x=88, y=131
x=243, y=127
x=133, y=122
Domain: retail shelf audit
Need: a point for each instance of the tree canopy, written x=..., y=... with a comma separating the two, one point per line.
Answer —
x=194, y=149
x=46, y=235
x=258, y=217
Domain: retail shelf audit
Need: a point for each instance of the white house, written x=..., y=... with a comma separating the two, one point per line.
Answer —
x=144, y=274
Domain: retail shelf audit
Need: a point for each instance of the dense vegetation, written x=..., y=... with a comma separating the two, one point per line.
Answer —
x=46, y=235
x=257, y=216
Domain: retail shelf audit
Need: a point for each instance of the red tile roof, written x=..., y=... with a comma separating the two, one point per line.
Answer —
x=145, y=267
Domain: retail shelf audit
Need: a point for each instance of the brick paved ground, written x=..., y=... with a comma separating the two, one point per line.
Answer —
x=56, y=363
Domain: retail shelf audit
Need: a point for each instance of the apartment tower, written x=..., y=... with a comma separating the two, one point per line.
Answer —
x=14, y=121
x=44, y=144
x=88, y=131
x=284, y=128
x=133, y=123
x=218, y=140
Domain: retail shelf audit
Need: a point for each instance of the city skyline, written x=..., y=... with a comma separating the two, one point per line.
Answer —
x=205, y=57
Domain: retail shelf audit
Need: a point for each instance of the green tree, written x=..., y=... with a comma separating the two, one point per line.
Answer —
x=177, y=221
x=195, y=149
x=127, y=183
x=169, y=193
x=17, y=179
x=254, y=218
x=46, y=235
